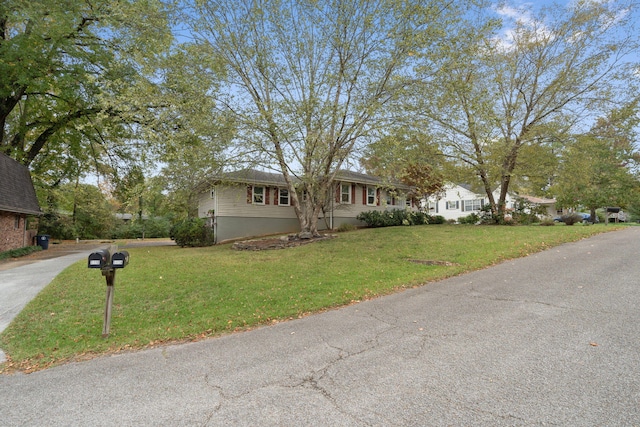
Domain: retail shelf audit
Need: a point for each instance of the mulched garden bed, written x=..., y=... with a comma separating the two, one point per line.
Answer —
x=283, y=242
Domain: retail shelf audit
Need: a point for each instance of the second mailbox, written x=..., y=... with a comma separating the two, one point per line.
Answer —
x=99, y=259
x=120, y=259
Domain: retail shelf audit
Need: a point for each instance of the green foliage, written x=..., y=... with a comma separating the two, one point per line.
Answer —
x=57, y=226
x=145, y=228
x=547, y=222
x=571, y=219
x=17, y=253
x=503, y=106
x=525, y=212
x=192, y=232
x=436, y=219
x=394, y=217
x=472, y=218
x=345, y=226
x=77, y=210
x=73, y=88
x=598, y=168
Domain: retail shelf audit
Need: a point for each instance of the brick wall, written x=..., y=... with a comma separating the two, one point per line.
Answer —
x=10, y=236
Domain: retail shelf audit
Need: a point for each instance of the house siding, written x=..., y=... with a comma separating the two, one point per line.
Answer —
x=457, y=196
x=236, y=216
x=229, y=228
x=10, y=236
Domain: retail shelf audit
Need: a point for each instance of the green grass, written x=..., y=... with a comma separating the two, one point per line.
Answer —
x=171, y=294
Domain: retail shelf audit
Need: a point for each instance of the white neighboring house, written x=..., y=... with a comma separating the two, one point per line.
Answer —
x=459, y=200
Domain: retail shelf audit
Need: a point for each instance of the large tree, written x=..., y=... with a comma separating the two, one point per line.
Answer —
x=308, y=80
x=599, y=168
x=71, y=76
x=507, y=87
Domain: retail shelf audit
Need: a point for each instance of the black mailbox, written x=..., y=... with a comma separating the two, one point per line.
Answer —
x=120, y=259
x=99, y=259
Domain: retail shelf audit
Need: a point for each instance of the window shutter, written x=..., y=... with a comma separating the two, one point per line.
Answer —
x=364, y=194
x=249, y=194
x=276, y=194
x=338, y=186
x=462, y=206
x=377, y=197
x=353, y=194
x=266, y=195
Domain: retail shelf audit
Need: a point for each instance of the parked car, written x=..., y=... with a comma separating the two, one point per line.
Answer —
x=585, y=217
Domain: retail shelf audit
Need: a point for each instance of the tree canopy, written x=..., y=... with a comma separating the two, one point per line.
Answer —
x=506, y=87
x=599, y=168
x=309, y=80
x=72, y=73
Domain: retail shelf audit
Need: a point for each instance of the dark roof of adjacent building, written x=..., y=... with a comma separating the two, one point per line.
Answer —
x=16, y=188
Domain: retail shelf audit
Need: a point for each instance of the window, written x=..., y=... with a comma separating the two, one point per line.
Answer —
x=407, y=202
x=453, y=205
x=283, y=197
x=371, y=196
x=16, y=224
x=432, y=206
x=345, y=193
x=258, y=195
x=471, y=205
x=213, y=194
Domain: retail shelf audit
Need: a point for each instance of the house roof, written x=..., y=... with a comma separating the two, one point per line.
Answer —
x=252, y=176
x=16, y=188
x=538, y=200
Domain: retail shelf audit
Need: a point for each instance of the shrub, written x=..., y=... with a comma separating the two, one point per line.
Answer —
x=547, y=222
x=146, y=228
x=472, y=218
x=16, y=253
x=395, y=217
x=192, y=232
x=345, y=226
x=437, y=219
x=57, y=226
x=571, y=219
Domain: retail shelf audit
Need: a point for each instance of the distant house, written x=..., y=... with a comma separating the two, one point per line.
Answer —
x=17, y=201
x=460, y=200
x=549, y=205
x=456, y=201
x=251, y=203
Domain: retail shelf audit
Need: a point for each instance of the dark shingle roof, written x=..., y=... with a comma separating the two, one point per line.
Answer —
x=252, y=176
x=16, y=188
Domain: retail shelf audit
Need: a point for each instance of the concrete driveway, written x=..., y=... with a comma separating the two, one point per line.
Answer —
x=551, y=339
x=21, y=279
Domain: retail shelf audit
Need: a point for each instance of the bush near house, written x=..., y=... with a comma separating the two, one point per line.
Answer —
x=17, y=253
x=397, y=217
x=192, y=232
x=571, y=219
x=471, y=219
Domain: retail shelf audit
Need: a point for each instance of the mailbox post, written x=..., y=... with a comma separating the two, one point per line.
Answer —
x=108, y=260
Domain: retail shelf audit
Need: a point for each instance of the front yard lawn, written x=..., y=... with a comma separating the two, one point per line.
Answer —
x=171, y=294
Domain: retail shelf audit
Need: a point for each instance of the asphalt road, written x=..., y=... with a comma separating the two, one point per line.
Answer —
x=551, y=339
